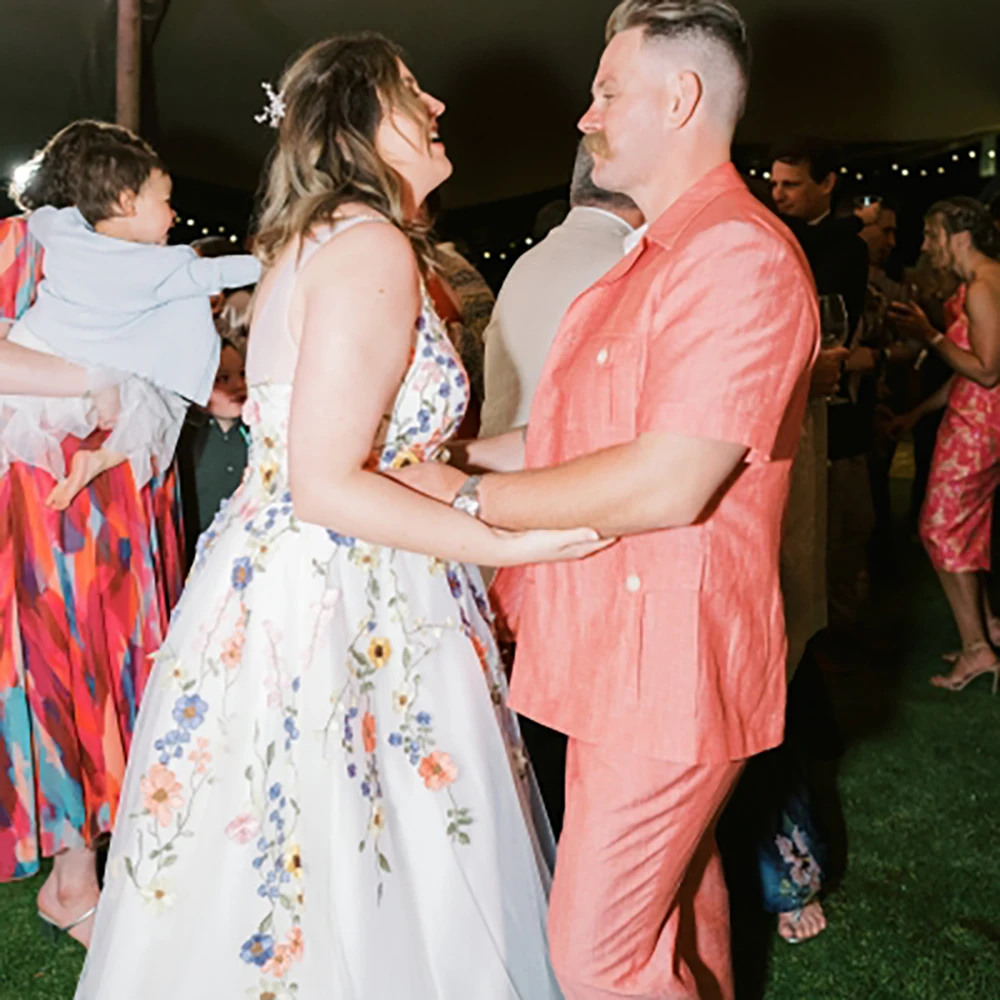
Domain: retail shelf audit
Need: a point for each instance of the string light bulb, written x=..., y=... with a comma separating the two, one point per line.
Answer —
x=233, y=239
x=905, y=172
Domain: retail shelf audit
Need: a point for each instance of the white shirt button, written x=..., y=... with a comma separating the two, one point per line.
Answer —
x=633, y=584
x=602, y=356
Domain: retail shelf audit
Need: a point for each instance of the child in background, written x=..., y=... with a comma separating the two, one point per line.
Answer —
x=116, y=297
x=213, y=449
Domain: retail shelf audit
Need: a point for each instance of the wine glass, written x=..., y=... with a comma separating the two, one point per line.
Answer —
x=834, y=328
x=833, y=322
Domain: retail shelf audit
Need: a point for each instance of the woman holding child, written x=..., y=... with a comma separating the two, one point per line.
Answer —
x=85, y=591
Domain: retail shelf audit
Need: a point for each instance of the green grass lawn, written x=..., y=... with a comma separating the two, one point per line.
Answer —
x=917, y=916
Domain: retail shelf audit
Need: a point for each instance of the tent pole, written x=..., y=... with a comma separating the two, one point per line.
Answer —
x=128, y=76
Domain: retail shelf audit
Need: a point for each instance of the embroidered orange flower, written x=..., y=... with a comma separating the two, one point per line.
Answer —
x=161, y=792
x=280, y=963
x=438, y=770
x=296, y=946
x=477, y=645
x=368, y=732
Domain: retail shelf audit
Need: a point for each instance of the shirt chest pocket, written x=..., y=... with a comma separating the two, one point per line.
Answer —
x=599, y=387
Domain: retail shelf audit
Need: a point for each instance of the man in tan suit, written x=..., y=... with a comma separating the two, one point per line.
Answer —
x=540, y=288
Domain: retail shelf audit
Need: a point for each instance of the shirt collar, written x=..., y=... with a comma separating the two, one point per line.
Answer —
x=664, y=230
x=626, y=227
x=716, y=182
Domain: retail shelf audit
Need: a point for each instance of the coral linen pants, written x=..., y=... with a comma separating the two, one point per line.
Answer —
x=639, y=907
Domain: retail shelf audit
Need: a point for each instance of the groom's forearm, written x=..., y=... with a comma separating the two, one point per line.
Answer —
x=657, y=481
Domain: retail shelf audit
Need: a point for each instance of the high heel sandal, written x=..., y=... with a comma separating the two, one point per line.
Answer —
x=959, y=680
x=52, y=930
x=992, y=629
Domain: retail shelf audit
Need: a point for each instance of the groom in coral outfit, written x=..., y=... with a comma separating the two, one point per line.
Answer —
x=668, y=416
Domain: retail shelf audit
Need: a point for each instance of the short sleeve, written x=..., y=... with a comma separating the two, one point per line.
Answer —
x=732, y=337
x=20, y=269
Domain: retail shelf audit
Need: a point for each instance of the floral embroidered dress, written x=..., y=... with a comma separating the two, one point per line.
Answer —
x=327, y=797
x=957, y=517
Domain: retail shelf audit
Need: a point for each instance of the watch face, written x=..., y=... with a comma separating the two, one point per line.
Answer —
x=467, y=505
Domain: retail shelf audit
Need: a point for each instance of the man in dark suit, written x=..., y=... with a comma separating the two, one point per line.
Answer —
x=804, y=176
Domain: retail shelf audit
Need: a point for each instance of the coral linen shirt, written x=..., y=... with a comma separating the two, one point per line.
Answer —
x=671, y=644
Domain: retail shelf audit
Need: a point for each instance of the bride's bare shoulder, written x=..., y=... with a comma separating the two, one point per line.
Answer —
x=368, y=245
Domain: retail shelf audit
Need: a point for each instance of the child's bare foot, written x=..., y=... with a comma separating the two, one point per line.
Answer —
x=84, y=469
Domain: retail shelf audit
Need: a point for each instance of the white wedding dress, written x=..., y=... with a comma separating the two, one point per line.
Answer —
x=327, y=798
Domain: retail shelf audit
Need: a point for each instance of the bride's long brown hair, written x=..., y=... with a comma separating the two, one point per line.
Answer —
x=336, y=95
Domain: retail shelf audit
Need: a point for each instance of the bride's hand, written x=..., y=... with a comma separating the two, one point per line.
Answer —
x=515, y=548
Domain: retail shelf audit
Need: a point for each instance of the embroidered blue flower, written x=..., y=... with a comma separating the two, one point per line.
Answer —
x=344, y=540
x=454, y=584
x=258, y=950
x=275, y=792
x=352, y=770
x=189, y=713
x=423, y=718
x=366, y=789
x=445, y=391
x=395, y=740
x=242, y=573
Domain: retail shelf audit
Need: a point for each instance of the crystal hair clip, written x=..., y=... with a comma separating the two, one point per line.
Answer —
x=275, y=108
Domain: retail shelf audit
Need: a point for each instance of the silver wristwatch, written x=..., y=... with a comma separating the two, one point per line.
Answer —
x=467, y=498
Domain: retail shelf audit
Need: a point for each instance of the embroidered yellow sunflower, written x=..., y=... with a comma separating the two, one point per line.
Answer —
x=379, y=651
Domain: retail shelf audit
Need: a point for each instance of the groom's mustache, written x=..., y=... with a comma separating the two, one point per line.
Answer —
x=597, y=145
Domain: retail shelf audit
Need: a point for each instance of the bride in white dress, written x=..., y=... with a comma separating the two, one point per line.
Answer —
x=327, y=796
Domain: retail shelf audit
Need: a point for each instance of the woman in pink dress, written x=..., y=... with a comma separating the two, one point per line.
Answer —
x=959, y=236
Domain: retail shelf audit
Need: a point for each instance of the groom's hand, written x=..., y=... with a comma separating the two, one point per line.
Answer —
x=433, y=479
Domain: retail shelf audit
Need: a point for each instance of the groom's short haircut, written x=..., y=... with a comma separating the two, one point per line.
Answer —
x=715, y=26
